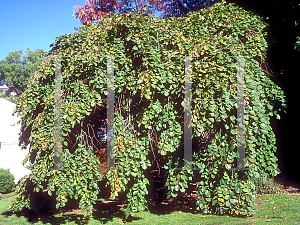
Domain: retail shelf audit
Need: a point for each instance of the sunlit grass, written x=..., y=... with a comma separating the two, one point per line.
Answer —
x=271, y=209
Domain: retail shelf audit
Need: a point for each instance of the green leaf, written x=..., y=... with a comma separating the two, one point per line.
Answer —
x=228, y=166
x=230, y=160
x=147, y=96
x=252, y=160
x=227, y=203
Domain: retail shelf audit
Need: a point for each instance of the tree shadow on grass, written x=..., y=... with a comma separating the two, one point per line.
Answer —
x=33, y=217
x=185, y=203
x=108, y=210
x=105, y=211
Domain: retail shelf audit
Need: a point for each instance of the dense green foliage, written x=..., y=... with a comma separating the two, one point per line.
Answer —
x=149, y=91
x=6, y=181
x=17, y=67
x=297, y=44
x=267, y=185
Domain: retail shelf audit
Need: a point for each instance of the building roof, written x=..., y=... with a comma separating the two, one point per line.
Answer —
x=3, y=87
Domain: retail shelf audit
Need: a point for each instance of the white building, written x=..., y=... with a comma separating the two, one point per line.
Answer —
x=11, y=154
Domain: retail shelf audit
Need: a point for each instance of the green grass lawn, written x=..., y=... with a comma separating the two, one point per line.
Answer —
x=271, y=209
x=8, y=195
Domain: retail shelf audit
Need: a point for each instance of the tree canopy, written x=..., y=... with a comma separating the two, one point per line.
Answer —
x=93, y=10
x=17, y=67
x=149, y=77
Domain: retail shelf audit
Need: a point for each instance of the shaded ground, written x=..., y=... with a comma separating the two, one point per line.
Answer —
x=290, y=186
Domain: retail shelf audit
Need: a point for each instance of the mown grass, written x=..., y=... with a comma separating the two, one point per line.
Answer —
x=271, y=209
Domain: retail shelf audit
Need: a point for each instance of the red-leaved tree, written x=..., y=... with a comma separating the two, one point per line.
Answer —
x=93, y=10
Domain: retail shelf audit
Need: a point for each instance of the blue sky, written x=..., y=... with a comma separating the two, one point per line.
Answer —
x=35, y=24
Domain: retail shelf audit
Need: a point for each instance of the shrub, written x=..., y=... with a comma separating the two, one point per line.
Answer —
x=297, y=44
x=267, y=185
x=6, y=181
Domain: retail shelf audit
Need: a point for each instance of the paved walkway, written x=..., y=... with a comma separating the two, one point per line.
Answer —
x=7, y=198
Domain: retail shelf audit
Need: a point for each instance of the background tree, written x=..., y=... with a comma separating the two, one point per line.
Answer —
x=17, y=67
x=178, y=8
x=93, y=10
